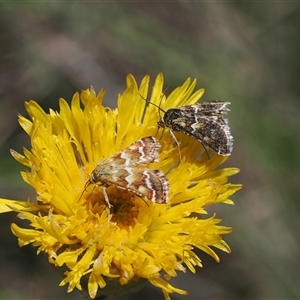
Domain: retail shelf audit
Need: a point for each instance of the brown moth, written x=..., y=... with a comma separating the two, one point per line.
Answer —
x=123, y=171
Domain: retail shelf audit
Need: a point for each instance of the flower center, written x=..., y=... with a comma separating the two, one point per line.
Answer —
x=125, y=205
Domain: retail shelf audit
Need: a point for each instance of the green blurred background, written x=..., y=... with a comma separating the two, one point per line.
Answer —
x=244, y=52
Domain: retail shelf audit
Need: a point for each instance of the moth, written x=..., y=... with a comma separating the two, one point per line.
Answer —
x=203, y=121
x=123, y=171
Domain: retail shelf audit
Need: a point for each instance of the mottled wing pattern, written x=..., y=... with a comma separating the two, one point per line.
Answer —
x=120, y=170
x=146, y=183
x=211, y=108
x=143, y=151
x=203, y=121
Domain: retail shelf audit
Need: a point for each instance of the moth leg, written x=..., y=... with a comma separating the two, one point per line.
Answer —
x=176, y=142
x=107, y=202
x=106, y=198
x=206, y=151
x=157, y=132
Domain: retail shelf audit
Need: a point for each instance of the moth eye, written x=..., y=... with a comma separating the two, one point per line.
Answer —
x=92, y=179
x=161, y=123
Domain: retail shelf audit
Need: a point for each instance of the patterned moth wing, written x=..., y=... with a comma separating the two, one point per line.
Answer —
x=203, y=121
x=122, y=170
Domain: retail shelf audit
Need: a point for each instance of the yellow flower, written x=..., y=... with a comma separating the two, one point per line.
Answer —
x=138, y=241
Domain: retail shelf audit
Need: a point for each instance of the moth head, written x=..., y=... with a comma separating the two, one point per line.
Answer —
x=91, y=180
x=161, y=123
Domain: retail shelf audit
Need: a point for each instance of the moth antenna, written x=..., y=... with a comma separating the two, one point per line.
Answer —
x=206, y=151
x=149, y=102
x=143, y=200
x=163, y=94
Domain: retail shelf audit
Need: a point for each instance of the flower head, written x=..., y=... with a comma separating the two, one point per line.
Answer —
x=136, y=240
